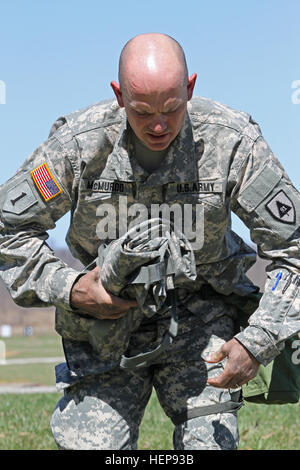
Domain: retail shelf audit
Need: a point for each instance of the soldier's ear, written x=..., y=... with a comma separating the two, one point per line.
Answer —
x=117, y=91
x=191, y=85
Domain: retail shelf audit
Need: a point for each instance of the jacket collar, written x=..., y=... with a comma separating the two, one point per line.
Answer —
x=179, y=164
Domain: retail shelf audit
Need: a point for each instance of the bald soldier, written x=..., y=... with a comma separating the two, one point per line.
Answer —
x=112, y=165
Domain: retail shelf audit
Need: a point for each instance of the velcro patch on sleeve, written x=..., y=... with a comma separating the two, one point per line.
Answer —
x=259, y=188
x=274, y=200
x=45, y=182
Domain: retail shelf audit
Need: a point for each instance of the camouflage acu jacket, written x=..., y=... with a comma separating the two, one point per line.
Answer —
x=217, y=164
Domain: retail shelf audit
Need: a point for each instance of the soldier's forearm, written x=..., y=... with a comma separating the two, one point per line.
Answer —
x=34, y=276
x=89, y=296
x=277, y=317
x=260, y=343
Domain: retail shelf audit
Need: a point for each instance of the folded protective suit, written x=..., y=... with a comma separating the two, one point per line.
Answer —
x=147, y=263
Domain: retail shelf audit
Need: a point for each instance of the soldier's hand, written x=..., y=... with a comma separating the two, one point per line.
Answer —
x=241, y=365
x=89, y=297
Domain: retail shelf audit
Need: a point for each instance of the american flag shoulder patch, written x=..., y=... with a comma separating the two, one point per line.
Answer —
x=45, y=182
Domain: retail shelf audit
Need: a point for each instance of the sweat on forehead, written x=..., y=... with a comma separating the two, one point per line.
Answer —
x=150, y=54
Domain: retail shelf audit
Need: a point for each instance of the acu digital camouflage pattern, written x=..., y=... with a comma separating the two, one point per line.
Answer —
x=104, y=411
x=142, y=265
x=218, y=162
x=129, y=260
x=216, y=144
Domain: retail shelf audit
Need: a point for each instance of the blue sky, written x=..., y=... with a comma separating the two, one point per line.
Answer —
x=58, y=56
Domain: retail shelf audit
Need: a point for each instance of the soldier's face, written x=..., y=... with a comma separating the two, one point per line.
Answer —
x=156, y=112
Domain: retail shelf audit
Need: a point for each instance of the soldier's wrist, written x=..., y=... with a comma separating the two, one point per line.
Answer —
x=260, y=343
x=61, y=286
x=75, y=294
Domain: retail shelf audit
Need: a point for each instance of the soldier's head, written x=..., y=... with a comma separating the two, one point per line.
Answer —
x=154, y=87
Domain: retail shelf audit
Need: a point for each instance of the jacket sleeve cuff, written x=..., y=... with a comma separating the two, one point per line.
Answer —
x=61, y=287
x=260, y=343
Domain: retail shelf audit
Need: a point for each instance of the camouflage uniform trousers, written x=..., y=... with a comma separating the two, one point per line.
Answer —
x=104, y=411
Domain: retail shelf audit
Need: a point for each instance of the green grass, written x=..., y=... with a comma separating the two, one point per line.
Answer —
x=24, y=419
x=269, y=427
x=19, y=347
x=42, y=374
x=33, y=346
x=156, y=429
x=24, y=424
x=262, y=427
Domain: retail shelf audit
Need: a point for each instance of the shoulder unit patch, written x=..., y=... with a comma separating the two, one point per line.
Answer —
x=282, y=208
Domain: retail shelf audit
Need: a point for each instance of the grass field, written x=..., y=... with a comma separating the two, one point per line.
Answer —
x=33, y=346
x=24, y=419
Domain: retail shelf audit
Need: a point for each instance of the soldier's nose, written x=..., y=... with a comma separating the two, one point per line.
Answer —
x=158, y=126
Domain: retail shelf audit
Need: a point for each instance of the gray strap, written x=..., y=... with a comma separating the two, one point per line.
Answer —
x=148, y=275
x=145, y=359
x=226, y=407
x=89, y=267
x=153, y=273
